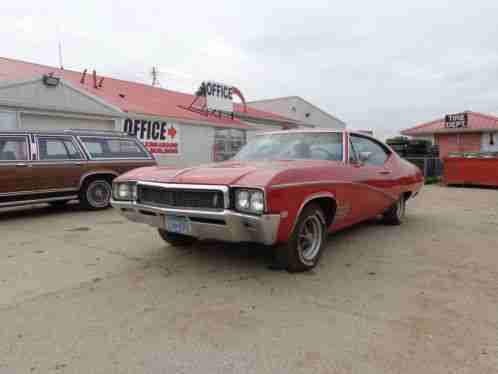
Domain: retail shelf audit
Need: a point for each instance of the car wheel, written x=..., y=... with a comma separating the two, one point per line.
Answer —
x=396, y=213
x=305, y=245
x=96, y=194
x=176, y=240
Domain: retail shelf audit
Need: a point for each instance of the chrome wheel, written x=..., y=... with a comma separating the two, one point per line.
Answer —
x=98, y=194
x=400, y=208
x=310, y=238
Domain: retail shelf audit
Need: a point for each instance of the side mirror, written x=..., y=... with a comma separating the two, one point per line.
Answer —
x=364, y=156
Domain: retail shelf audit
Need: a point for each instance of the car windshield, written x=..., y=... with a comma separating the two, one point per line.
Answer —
x=293, y=146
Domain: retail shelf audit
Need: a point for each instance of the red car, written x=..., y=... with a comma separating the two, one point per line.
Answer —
x=286, y=189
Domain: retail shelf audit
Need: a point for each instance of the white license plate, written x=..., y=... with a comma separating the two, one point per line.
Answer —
x=178, y=224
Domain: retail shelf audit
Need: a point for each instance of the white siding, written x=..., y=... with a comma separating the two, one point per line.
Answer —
x=299, y=110
x=8, y=120
x=35, y=94
x=196, y=147
x=55, y=123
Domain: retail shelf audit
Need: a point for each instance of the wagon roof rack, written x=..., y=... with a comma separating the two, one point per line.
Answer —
x=94, y=131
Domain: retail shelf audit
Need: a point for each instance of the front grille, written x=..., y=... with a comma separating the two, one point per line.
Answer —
x=180, y=198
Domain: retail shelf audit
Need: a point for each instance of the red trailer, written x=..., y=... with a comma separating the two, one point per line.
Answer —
x=482, y=170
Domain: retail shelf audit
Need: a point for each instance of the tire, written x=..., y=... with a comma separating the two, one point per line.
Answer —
x=96, y=194
x=305, y=245
x=396, y=213
x=176, y=240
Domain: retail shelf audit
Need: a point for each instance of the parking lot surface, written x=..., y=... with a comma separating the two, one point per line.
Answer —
x=89, y=292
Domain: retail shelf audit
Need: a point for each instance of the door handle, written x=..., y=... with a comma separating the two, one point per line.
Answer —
x=22, y=165
x=385, y=172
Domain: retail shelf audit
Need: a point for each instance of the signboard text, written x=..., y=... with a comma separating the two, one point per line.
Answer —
x=159, y=137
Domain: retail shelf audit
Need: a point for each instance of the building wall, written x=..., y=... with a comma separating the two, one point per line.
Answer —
x=196, y=147
x=56, y=122
x=8, y=119
x=489, y=142
x=299, y=110
x=462, y=142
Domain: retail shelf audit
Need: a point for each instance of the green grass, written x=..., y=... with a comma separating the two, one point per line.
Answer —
x=432, y=180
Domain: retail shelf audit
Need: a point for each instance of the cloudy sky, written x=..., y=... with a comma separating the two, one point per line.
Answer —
x=381, y=65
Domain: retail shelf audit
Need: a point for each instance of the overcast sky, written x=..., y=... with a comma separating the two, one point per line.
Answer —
x=381, y=65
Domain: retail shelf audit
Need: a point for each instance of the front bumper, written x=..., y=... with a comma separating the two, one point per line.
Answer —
x=224, y=225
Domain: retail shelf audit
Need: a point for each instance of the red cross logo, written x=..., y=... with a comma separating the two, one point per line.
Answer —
x=172, y=132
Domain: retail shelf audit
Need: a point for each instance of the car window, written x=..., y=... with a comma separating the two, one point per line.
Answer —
x=51, y=148
x=293, y=146
x=13, y=148
x=352, y=153
x=378, y=154
x=113, y=148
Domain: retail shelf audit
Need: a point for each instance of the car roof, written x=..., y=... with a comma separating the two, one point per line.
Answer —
x=77, y=132
x=317, y=130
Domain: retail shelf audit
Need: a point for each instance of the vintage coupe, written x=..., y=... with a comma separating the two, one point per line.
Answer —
x=286, y=189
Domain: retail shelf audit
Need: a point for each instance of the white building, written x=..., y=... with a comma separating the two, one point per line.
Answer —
x=38, y=97
x=299, y=110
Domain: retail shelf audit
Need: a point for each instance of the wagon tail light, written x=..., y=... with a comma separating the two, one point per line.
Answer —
x=124, y=191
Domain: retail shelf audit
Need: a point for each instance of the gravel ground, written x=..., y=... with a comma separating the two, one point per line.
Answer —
x=92, y=293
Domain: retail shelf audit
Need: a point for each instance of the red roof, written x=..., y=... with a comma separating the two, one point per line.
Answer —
x=477, y=122
x=131, y=96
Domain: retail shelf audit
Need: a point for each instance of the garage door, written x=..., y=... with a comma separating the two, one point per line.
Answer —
x=42, y=122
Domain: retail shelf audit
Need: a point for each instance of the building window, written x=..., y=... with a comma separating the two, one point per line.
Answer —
x=227, y=143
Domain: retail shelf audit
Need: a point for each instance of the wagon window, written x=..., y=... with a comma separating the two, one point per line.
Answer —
x=52, y=148
x=113, y=148
x=377, y=153
x=13, y=148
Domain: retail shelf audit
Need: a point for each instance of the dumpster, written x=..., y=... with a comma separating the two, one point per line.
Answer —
x=472, y=168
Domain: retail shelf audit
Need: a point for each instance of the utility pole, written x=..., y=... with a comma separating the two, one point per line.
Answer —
x=61, y=66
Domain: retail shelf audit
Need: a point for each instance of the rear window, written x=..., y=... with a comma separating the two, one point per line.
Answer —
x=113, y=148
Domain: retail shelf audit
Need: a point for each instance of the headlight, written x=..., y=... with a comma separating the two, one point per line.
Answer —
x=257, y=202
x=124, y=191
x=249, y=201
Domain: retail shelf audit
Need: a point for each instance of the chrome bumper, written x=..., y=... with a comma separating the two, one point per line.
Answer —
x=225, y=225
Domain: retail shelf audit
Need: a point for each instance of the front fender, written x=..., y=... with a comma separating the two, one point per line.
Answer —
x=290, y=201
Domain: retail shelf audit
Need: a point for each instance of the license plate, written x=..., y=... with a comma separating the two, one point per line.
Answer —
x=177, y=224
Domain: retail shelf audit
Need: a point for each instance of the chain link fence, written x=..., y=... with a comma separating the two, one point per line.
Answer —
x=432, y=167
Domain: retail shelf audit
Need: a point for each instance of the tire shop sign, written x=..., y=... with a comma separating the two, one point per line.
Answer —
x=456, y=121
x=159, y=137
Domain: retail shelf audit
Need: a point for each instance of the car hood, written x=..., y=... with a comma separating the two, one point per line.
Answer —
x=260, y=173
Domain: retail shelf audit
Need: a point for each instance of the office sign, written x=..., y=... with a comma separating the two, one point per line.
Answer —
x=159, y=137
x=219, y=96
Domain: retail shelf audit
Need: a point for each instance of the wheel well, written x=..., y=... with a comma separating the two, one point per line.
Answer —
x=107, y=176
x=328, y=206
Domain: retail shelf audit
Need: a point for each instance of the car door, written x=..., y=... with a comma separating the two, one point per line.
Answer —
x=60, y=163
x=371, y=162
x=15, y=171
